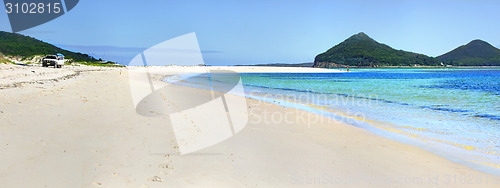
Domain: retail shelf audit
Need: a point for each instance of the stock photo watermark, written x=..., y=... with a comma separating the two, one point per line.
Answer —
x=318, y=105
x=207, y=118
x=438, y=179
x=25, y=14
x=199, y=121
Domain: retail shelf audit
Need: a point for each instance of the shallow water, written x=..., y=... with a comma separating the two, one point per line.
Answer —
x=454, y=112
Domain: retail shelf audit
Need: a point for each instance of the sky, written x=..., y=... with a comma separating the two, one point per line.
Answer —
x=268, y=31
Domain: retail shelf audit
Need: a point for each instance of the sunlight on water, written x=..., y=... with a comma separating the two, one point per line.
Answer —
x=454, y=111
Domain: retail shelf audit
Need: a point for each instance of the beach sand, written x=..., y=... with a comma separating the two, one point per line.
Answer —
x=173, y=69
x=77, y=127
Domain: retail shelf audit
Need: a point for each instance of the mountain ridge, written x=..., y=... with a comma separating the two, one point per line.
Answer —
x=13, y=44
x=475, y=53
x=362, y=51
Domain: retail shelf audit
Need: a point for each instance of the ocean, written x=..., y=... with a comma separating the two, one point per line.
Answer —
x=453, y=112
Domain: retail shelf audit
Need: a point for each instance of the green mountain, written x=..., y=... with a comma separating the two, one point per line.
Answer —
x=361, y=50
x=20, y=45
x=475, y=53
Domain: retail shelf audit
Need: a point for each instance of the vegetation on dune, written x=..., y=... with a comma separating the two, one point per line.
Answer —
x=3, y=60
x=19, y=45
x=12, y=44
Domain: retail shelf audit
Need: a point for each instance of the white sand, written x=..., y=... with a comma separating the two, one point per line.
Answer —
x=85, y=132
x=16, y=75
x=238, y=69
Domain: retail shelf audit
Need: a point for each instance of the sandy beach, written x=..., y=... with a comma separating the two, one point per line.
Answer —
x=174, y=69
x=77, y=127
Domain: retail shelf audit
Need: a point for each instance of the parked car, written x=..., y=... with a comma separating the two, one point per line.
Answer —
x=53, y=60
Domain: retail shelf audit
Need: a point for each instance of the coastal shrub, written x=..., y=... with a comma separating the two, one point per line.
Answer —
x=27, y=47
x=3, y=60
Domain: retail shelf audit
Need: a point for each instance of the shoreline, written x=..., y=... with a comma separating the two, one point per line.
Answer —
x=407, y=143
x=443, y=148
x=85, y=132
x=173, y=69
x=365, y=124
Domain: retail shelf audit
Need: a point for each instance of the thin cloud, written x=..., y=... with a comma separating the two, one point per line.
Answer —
x=211, y=51
x=26, y=32
x=120, y=49
x=102, y=48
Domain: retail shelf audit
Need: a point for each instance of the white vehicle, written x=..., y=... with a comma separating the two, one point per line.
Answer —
x=53, y=60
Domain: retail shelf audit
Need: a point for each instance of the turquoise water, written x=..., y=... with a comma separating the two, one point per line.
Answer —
x=454, y=112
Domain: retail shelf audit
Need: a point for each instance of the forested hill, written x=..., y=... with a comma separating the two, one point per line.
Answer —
x=475, y=53
x=361, y=50
x=20, y=45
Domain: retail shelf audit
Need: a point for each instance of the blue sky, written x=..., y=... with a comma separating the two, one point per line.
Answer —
x=271, y=31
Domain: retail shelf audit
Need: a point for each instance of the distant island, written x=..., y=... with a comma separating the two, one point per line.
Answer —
x=25, y=47
x=362, y=51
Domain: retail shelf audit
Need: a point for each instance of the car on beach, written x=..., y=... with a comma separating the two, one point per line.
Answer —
x=53, y=60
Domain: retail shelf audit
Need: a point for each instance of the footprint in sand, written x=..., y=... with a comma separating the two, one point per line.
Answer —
x=155, y=179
